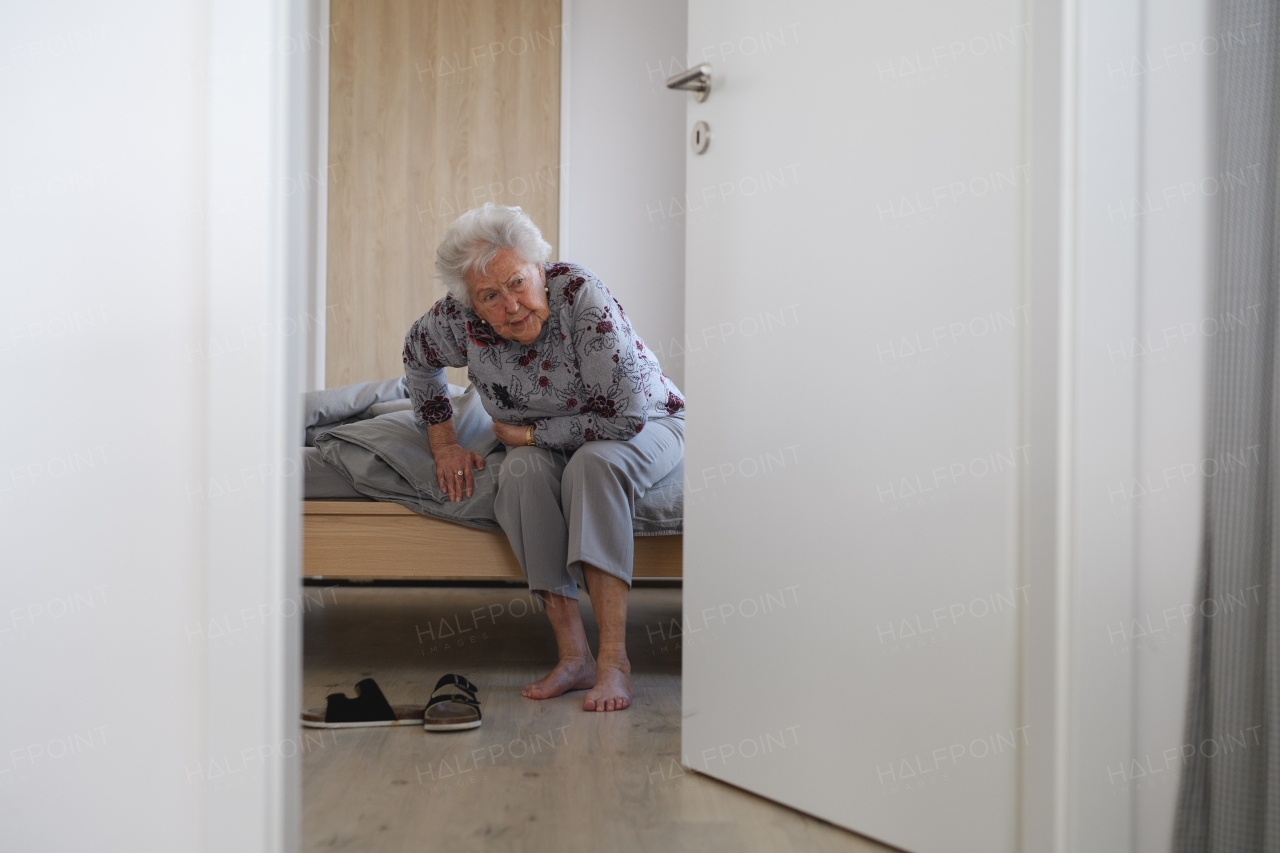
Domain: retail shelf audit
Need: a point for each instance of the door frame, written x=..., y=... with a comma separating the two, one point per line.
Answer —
x=1050, y=647
x=318, y=72
x=1049, y=273
x=1083, y=422
x=259, y=254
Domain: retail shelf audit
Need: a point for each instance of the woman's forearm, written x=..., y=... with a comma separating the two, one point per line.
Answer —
x=454, y=463
x=441, y=435
x=569, y=432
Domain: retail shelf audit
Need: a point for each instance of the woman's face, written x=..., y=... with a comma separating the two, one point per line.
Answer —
x=511, y=297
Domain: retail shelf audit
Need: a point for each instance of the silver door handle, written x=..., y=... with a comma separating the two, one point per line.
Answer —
x=696, y=80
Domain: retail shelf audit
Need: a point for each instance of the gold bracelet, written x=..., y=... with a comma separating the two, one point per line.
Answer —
x=528, y=436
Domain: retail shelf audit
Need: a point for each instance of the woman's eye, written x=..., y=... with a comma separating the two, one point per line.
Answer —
x=488, y=297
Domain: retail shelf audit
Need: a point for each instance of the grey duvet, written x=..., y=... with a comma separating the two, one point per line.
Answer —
x=367, y=440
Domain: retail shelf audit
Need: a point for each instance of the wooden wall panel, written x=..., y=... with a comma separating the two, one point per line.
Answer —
x=435, y=107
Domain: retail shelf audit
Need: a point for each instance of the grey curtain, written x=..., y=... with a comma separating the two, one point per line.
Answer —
x=1229, y=801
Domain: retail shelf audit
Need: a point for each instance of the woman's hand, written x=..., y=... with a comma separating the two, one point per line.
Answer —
x=454, y=466
x=512, y=435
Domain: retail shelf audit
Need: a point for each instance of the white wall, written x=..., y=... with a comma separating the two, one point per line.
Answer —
x=145, y=232
x=101, y=184
x=626, y=160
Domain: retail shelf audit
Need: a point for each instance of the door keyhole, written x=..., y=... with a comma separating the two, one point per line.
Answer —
x=701, y=137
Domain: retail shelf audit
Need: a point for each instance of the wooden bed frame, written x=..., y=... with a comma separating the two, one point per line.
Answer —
x=376, y=539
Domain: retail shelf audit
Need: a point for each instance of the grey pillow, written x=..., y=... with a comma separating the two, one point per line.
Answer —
x=393, y=406
x=331, y=405
x=335, y=407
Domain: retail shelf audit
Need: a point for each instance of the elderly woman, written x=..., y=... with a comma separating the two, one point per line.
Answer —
x=589, y=420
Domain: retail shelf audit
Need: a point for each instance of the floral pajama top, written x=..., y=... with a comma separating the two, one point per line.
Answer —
x=587, y=377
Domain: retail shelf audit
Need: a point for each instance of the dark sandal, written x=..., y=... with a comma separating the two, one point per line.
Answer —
x=369, y=708
x=452, y=711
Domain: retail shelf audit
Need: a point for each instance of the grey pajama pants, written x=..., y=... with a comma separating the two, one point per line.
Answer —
x=560, y=509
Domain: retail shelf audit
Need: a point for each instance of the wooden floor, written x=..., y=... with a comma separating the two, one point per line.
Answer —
x=536, y=776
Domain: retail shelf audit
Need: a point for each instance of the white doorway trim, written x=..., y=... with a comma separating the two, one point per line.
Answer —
x=258, y=232
x=1051, y=86
x=318, y=292
x=566, y=55
x=1084, y=421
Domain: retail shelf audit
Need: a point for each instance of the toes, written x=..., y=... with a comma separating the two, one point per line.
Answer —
x=611, y=703
x=603, y=703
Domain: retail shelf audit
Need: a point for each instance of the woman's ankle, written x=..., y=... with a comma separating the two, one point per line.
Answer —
x=613, y=654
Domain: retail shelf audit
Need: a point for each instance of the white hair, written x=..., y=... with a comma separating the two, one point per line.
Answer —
x=476, y=237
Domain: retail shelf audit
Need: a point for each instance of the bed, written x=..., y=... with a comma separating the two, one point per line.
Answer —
x=375, y=539
x=371, y=508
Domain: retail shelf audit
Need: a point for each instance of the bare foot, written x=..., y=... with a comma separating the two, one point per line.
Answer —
x=613, y=690
x=572, y=673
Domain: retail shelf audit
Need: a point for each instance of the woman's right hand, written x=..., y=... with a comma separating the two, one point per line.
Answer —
x=454, y=470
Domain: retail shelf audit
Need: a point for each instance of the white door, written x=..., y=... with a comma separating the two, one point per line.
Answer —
x=855, y=319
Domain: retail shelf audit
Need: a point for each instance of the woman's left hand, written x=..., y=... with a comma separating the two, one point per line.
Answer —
x=512, y=435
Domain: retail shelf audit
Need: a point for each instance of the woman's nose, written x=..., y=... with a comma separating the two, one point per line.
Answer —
x=509, y=304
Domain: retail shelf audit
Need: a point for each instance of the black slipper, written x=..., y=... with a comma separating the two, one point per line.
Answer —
x=369, y=708
x=452, y=711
